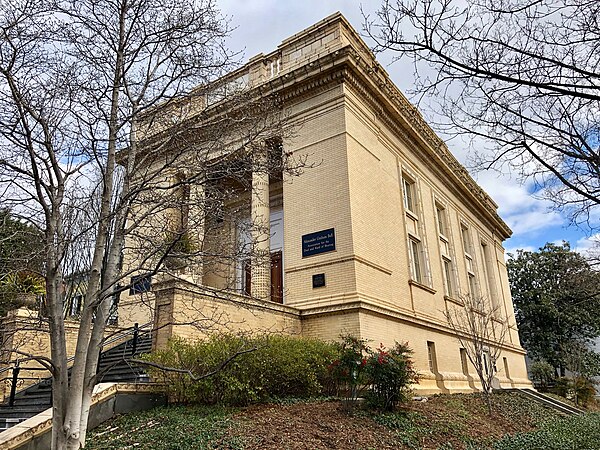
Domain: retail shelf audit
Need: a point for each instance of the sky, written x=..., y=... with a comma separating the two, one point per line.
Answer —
x=261, y=25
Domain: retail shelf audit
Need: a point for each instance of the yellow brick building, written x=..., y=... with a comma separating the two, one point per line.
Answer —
x=376, y=240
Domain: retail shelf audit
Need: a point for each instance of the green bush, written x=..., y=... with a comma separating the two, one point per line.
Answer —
x=563, y=387
x=391, y=374
x=386, y=375
x=278, y=367
x=580, y=390
x=542, y=374
x=348, y=371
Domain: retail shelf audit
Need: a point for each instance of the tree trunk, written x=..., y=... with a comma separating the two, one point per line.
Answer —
x=488, y=401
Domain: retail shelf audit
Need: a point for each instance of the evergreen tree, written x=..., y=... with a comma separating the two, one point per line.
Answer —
x=555, y=293
x=20, y=261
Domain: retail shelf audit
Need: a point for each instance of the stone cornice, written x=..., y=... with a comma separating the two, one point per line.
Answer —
x=349, y=66
x=354, y=65
x=404, y=119
x=410, y=318
x=172, y=285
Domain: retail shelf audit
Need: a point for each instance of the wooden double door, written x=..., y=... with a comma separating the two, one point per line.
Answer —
x=276, y=277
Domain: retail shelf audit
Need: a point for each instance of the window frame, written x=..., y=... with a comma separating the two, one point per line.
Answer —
x=464, y=361
x=417, y=254
x=140, y=283
x=443, y=228
x=489, y=274
x=432, y=357
x=467, y=243
x=448, y=278
x=506, y=368
x=442, y=221
x=409, y=194
x=416, y=260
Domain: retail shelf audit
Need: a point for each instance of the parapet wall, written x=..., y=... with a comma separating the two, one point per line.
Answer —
x=189, y=311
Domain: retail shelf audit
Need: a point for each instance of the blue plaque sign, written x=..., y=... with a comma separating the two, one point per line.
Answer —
x=319, y=242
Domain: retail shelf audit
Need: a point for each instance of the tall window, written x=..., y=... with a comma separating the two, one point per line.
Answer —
x=419, y=269
x=489, y=274
x=489, y=365
x=447, y=266
x=431, y=357
x=467, y=244
x=468, y=249
x=448, y=277
x=416, y=251
x=416, y=259
x=472, y=285
x=409, y=192
x=506, y=372
x=76, y=304
x=464, y=363
x=442, y=220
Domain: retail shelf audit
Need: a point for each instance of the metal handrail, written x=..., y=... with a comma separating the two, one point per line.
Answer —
x=16, y=368
x=116, y=337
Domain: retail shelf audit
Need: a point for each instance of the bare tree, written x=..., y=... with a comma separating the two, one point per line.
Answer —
x=101, y=128
x=481, y=331
x=522, y=74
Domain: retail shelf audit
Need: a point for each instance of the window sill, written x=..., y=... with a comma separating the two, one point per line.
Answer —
x=411, y=214
x=422, y=286
x=454, y=300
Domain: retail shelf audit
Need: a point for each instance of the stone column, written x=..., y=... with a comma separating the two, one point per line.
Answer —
x=261, y=232
x=195, y=224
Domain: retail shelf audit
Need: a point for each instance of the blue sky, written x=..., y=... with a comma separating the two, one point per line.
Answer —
x=261, y=25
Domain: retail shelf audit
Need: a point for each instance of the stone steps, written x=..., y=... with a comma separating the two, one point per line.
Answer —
x=115, y=366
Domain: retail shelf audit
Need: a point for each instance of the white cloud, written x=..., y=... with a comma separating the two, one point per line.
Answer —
x=588, y=245
x=523, y=212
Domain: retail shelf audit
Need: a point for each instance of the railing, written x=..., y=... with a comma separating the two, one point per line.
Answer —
x=16, y=369
x=115, y=337
x=15, y=378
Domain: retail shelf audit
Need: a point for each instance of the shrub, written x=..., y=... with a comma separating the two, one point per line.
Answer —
x=390, y=373
x=585, y=392
x=280, y=366
x=562, y=387
x=542, y=374
x=348, y=370
x=386, y=374
x=580, y=390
